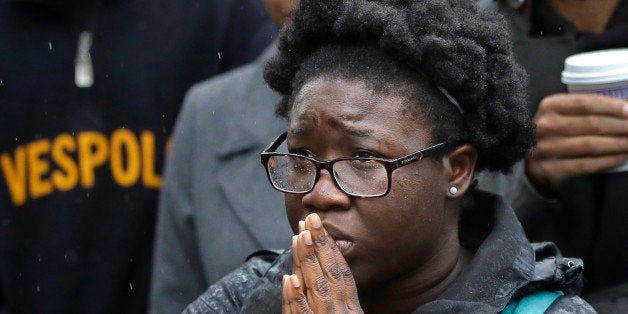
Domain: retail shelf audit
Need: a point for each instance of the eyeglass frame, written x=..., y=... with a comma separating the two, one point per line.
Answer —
x=389, y=164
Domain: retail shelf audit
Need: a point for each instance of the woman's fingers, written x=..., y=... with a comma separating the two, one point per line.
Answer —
x=285, y=296
x=333, y=265
x=322, y=281
x=324, y=248
x=317, y=289
x=296, y=264
x=293, y=299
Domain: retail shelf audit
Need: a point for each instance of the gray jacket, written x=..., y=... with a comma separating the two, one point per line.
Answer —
x=505, y=267
x=217, y=206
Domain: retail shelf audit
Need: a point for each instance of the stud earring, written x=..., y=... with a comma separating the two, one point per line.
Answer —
x=453, y=190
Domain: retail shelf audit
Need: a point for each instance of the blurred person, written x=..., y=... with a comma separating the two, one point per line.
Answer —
x=216, y=206
x=561, y=193
x=89, y=91
x=391, y=108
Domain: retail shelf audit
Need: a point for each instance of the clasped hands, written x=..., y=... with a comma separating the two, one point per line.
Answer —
x=577, y=134
x=321, y=281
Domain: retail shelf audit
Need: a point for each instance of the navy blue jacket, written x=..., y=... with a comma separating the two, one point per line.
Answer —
x=80, y=168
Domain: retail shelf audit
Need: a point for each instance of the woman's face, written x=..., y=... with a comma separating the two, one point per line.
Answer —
x=386, y=238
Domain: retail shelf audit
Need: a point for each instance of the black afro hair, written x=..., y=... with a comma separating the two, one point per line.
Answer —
x=449, y=43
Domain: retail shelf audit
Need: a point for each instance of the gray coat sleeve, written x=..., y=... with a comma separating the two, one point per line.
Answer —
x=177, y=268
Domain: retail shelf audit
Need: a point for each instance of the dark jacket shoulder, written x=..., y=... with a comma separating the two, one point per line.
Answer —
x=570, y=304
x=228, y=295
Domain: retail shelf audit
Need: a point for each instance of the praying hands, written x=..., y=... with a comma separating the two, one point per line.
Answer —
x=321, y=281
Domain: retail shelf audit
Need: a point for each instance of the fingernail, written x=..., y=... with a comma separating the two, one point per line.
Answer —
x=307, y=237
x=316, y=221
x=284, y=278
x=301, y=225
x=295, y=281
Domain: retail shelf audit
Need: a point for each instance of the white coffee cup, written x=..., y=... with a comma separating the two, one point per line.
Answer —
x=602, y=72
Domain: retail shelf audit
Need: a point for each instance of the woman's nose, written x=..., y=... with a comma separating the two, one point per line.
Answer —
x=326, y=195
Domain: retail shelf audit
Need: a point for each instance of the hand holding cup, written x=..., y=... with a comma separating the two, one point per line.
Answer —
x=586, y=131
x=577, y=134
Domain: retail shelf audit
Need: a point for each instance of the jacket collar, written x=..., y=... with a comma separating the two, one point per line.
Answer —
x=502, y=264
x=506, y=265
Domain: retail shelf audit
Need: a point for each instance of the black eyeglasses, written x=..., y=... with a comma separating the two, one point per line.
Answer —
x=359, y=177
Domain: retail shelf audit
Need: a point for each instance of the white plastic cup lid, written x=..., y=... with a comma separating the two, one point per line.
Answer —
x=596, y=67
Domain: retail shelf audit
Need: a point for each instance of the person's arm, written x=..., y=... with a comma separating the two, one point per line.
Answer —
x=177, y=275
x=577, y=135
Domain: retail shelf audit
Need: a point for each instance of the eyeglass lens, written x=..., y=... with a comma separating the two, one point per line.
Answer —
x=358, y=177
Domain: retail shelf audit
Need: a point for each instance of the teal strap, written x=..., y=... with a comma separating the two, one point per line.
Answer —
x=535, y=303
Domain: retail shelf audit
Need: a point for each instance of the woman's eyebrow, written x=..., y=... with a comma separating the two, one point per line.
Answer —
x=359, y=133
x=296, y=132
x=350, y=130
x=299, y=131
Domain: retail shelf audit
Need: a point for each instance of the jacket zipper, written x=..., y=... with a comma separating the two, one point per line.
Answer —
x=83, y=68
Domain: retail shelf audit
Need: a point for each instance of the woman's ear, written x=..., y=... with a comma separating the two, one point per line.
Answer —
x=459, y=168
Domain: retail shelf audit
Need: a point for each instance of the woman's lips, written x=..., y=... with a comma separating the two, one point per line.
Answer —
x=344, y=242
x=344, y=245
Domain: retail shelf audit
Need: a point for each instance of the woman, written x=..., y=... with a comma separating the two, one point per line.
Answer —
x=392, y=106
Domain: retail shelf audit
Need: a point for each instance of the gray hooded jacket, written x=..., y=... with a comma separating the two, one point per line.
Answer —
x=505, y=267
